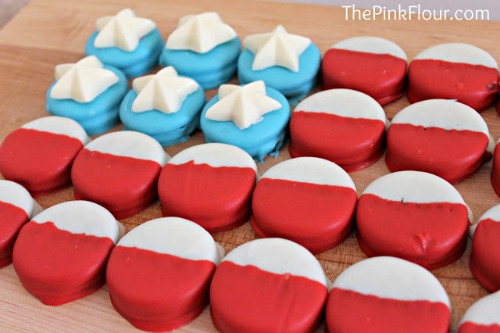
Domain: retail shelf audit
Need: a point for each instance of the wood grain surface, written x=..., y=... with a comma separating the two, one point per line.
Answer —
x=49, y=32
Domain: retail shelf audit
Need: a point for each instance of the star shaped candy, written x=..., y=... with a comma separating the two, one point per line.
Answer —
x=124, y=30
x=164, y=91
x=200, y=33
x=277, y=48
x=82, y=81
x=244, y=105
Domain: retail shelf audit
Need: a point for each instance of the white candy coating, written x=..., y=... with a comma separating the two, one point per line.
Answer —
x=215, y=155
x=443, y=113
x=371, y=45
x=278, y=256
x=59, y=125
x=459, y=53
x=485, y=311
x=343, y=102
x=414, y=186
x=130, y=144
x=392, y=278
x=81, y=217
x=175, y=236
x=311, y=170
x=276, y=48
x=16, y=195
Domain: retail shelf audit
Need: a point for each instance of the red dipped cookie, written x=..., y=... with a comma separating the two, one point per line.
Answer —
x=442, y=137
x=483, y=316
x=485, y=257
x=61, y=254
x=415, y=216
x=268, y=285
x=119, y=171
x=454, y=71
x=495, y=170
x=159, y=273
x=210, y=184
x=389, y=295
x=39, y=155
x=372, y=65
x=344, y=126
x=16, y=208
x=308, y=200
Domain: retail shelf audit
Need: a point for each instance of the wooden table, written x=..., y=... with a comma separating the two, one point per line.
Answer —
x=49, y=32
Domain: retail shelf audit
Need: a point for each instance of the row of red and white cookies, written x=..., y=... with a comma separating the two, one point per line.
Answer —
x=162, y=274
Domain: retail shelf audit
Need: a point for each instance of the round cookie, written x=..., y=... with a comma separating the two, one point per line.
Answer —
x=442, y=137
x=210, y=184
x=415, y=216
x=495, y=170
x=253, y=117
x=88, y=92
x=16, y=208
x=389, y=295
x=39, y=155
x=203, y=48
x=308, y=200
x=372, y=65
x=61, y=254
x=485, y=257
x=129, y=43
x=286, y=62
x=454, y=71
x=164, y=106
x=344, y=126
x=268, y=285
x=482, y=316
x=159, y=273
x=119, y=171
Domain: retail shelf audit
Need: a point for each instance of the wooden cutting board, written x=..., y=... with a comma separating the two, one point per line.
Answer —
x=49, y=32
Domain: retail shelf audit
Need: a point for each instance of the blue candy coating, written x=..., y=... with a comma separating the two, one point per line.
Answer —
x=132, y=63
x=264, y=138
x=96, y=116
x=167, y=129
x=289, y=83
x=210, y=69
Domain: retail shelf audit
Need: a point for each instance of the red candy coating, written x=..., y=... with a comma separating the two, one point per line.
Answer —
x=495, y=170
x=248, y=299
x=485, y=257
x=450, y=154
x=217, y=198
x=57, y=266
x=157, y=292
x=352, y=143
x=348, y=311
x=382, y=76
x=474, y=85
x=469, y=327
x=123, y=185
x=429, y=234
x=40, y=161
x=317, y=217
x=12, y=219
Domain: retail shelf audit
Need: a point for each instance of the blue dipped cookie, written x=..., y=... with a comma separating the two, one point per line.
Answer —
x=127, y=42
x=89, y=93
x=203, y=48
x=164, y=106
x=286, y=62
x=253, y=117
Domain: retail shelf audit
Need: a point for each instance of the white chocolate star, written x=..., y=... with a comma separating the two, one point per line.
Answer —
x=124, y=30
x=200, y=33
x=244, y=105
x=164, y=91
x=277, y=48
x=83, y=81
